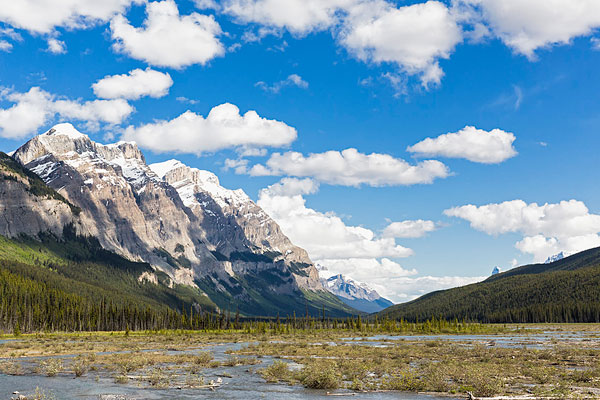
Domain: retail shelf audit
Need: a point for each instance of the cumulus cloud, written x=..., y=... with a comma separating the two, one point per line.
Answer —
x=352, y=168
x=323, y=235
x=413, y=37
x=409, y=229
x=469, y=143
x=35, y=108
x=8, y=33
x=5, y=45
x=292, y=80
x=168, y=39
x=224, y=127
x=547, y=229
x=56, y=46
x=299, y=17
x=353, y=251
x=290, y=187
x=529, y=25
x=391, y=280
x=135, y=84
x=43, y=16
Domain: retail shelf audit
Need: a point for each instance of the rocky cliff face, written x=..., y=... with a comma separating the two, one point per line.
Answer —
x=26, y=210
x=180, y=220
x=237, y=228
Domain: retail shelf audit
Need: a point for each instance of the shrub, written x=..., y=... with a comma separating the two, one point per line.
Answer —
x=203, y=358
x=321, y=376
x=278, y=371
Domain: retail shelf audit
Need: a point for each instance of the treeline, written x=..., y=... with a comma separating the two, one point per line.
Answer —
x=560, y=296
x=30, y=306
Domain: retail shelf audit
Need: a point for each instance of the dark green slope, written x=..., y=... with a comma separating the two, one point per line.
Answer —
x=567, y=290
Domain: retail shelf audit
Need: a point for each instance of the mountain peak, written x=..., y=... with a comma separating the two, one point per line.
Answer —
x=65, y=129
x=163, y=168
x=556, y=257
x=355, y=294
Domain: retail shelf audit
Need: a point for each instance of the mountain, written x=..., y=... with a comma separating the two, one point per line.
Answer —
x=179, y=220
x=567, y=290
x=355, y=294
x=496, y=271
x=556, y=257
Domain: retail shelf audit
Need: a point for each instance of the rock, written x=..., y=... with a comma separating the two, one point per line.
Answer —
x=178, y=219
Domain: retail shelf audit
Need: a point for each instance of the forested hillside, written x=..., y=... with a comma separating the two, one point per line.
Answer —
x=72, y=283
x=567, y=290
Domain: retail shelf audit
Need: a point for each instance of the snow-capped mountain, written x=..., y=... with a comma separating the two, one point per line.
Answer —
x=556, y=257
x=496, y=271
x=178, y=219
x=356, y=294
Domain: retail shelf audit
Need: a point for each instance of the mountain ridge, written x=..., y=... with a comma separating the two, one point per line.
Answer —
x=356, y=294
x=207, y=243
x=567, y=290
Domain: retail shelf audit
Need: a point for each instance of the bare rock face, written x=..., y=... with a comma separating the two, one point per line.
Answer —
x=182, y=222
x=23, y=210
x=236, y=226
x=123, y=202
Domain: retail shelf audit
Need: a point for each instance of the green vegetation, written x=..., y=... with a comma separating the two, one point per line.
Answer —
x=558, y=369
x=562, y=367
x=71, y=283
x=564, y=291
x=35, y=185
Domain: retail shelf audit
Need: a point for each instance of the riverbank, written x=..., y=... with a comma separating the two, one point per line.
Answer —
x=555, y=361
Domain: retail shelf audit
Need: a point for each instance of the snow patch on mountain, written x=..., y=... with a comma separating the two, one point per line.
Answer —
x=348, y=288
x=356, y=294
x=556, y=257
x=64, y=129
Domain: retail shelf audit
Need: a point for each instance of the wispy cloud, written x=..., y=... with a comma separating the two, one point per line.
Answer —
x=291, y=80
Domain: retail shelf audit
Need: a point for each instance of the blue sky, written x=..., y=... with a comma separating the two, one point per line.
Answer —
x=329, y=76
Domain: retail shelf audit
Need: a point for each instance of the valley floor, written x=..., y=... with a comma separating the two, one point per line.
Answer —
x=536, y=361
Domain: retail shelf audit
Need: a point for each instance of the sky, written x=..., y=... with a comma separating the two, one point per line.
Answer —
x=410, y=145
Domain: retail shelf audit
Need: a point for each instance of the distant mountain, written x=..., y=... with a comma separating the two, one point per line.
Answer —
x=355, y=294
x=496, y=271
x=556, y=257
x=567, y=290
x=177, y=219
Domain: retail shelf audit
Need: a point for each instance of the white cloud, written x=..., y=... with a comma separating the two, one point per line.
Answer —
x=292, y=80
x=409, y=229
x=470, y=143
x=136, y=84
x=5, y=45
x=207, y=4
x=223, y=128
x=10, y=33
x=547, y=229
x=414, y=37
x=323, y=235
x=290, y=187
x=391, y=280
x=43, y=16
x=353, y=251
x=300, y=17
x=352, y=168
x=168, y=39
x=529, y=25
x=33, y=109
x=56, y=46
x=595, y=43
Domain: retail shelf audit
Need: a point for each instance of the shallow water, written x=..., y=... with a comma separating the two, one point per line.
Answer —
x=244, y=384
x=533, y=341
